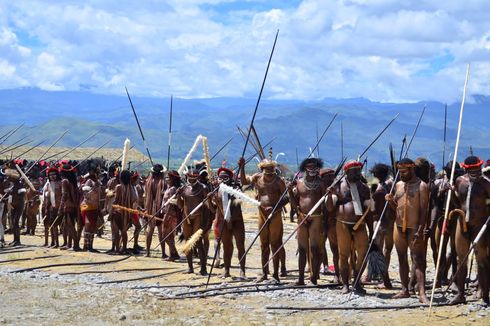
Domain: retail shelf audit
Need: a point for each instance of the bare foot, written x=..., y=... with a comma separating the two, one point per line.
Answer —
x=261, y=278
x=345, y=289
x=423, y=299
x=457, y=300
x=299, y=282
x=402, y=295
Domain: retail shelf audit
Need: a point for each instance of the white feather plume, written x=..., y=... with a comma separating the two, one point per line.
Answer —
x=238, y=194
x=124, y=160
x=183, y=166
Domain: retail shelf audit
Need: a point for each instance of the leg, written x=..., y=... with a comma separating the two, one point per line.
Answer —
x=462, y=247
x=264, y=247
x=344, y=244
x=276, y=232
x=334, y=247
x=418, y=251
x=239, y=234
x=302, y=249
x=315, y=237
x=401, y=245
x=187, y=230
x=227, y=244
x=483, y=266
x=361, y=245
x=150, y=228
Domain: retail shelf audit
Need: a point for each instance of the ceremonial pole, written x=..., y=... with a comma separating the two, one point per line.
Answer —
x=448, y=201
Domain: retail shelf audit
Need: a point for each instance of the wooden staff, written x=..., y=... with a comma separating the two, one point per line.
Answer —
x=448, y=201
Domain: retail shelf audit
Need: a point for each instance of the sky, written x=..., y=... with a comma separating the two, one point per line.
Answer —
x=383, y=50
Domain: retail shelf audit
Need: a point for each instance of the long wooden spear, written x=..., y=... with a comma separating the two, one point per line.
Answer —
x=170, y=132
x=10, y=133
x=245, y=148
x=444, y=145
x=448, y=201
x=139, y=126
x=46, y=151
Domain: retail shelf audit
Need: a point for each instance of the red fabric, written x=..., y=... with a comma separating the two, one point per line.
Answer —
x=472, y=166
x=353, y=164
x=91, y=216
x=223, y=169
x=135, y=218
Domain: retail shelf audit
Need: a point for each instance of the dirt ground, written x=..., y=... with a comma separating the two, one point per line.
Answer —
x=87, y=294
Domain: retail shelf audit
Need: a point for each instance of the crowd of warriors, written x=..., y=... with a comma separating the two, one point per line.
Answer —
x=76, y=200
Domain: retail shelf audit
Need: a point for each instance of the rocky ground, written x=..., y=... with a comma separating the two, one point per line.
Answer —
x=110, y=294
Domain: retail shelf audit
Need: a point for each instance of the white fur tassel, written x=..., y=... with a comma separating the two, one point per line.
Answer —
x=125, y=153
x=191, y=243
x=238, y=194
x=206, y=155
x=183, y=166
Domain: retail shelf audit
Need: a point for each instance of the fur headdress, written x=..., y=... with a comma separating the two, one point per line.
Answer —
x=225, y=170
x=267, y=162
x=317, y=161
x=405, y=163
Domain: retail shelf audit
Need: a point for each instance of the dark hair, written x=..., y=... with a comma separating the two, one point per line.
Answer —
x=470, y=160
x=381, y=170
x=317, y=161
x=405, y=161
x=125, y=177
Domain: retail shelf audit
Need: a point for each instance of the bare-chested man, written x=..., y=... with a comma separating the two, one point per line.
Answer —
x=269, y=187
x=308, y=191
x=192, y=195
x=410, y=200
x=51, y=204
x=473, y=192
x=384, y=238
x=69, y=205
x=351, y=203
x=154, y=189
x=17, y=194
x=329, y=229
x=172, y=212
x=109, y=200
x=90, y=207
x=125, y=195
x=234, y=226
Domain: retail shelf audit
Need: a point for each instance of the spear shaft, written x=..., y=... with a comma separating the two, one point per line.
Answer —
x=170, y=132
x=139, y=126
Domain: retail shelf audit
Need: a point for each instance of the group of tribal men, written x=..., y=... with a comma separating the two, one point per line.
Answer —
x=410, y=215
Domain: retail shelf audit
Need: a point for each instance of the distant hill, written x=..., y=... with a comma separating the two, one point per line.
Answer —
x=292, y=123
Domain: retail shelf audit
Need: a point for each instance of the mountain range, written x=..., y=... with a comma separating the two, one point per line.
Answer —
x=292, y=124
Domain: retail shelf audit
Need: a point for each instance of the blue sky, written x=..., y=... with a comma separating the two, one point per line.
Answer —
x=384, y=50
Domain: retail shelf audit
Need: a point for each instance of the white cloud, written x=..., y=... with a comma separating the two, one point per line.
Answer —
x=384, y=49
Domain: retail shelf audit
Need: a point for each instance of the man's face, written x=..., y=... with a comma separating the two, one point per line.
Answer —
x=353, y=174
x=328, y=178
x=406, y=174
x=312, y=169
x=474, y=174
x=192, y=180
x=270, y=170
x=224, y=178
x=52, y=176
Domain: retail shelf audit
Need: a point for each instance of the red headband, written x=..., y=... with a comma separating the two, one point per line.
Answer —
x=472, y=166
x=405, y=166
x=225, y=170
x=352, y=165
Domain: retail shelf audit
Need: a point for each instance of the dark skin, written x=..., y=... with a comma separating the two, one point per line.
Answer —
x=346, y=217
x=480, y=193
x=385, y=239
x=269, y=189
x=417, y=197
x=193, y=195
x=310, y=232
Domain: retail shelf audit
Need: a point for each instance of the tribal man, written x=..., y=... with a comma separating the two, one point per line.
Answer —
x=192, y=195
x=154, y=189
x=69, y=206
x=125, y=195
x=329, y=229
x=51, y=204
x=234, y=226
x=16, y=198
x=31, y=209
x=109, y=199
x=308, y=191
x=411, y=200
x=351, y=203
x=384, y=238
x=90, y=207
x=172, y=213
x=473, y=192
x=269, y=188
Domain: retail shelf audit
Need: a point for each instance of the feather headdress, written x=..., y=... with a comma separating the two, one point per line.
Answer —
x=125, y=153
x=183, y=167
